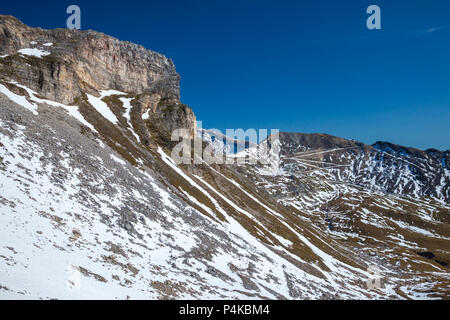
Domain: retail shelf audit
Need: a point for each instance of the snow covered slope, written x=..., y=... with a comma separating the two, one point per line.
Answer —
x=92, y=205
x=80, y=222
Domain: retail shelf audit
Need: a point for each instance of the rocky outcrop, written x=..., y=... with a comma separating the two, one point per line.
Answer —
x=82, y=61
x=166, y=114
x=77, y=62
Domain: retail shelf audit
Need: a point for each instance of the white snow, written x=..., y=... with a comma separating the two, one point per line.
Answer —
x=102, y=107
x=111, y=92
x=337, y=267
x=45, y=261
x=74, y=112
x=283, y=241
x=127, y=105
x=71, y=110
x=170, y=162
x=415, y=229
x=35, y=52
x=47, y=257
x=118, y=160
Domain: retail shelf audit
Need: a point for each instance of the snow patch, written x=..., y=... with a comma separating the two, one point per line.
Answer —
x=35, y=52
x=118, y=160
x=127, y=105
x=20, y=100
x=146, y=115
x=102, y=108
x=71, y=110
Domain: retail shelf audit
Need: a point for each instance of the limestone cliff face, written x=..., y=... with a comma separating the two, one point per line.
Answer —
x=79, y=62
x=382, y=166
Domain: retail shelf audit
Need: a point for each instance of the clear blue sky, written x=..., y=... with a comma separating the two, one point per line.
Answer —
x=303, y=66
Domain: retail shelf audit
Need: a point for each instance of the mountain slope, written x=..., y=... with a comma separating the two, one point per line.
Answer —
x=93, y=206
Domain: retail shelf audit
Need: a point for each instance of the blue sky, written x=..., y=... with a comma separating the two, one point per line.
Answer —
x=302, y=66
